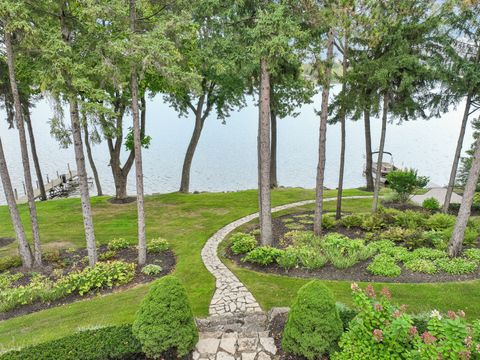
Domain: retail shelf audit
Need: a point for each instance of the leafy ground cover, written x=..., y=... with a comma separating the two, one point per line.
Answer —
x=187, y=221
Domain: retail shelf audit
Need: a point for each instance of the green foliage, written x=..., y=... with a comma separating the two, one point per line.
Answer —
x=51, y=256
x=437, y=239
x=8, y=262
x=118, y=244
x=164, y=323
x=472, y=254
x=380, y=246
x=384, y=265
x=114, y=342
x=310, y=258
x=7, y=279
x=431, y=204
x=157, y=245
x=82, y=282
x=412, y=238
x=263, y=255
x=440, y=221
x=410, y=219
x=372, y=222
x=405, y=182
x=346, y=314
x=428, y=254
x=288, y=259
x=343, y=252
x=145, y=140
x=328, y=222
x=421, y=265
x=242, y=243
x=313, y=325
x=152, y=269
x=301, y=238
x=294, y=226
x=456, y=266
x=107, y=255
x=350, y=221
x=382, y=330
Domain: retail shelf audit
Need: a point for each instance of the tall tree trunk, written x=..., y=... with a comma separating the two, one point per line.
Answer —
x=83, y=181
x=263, y=144
x=33, y=148
x=458, y=153
x=273, y=151
x=91, y=161
x=79, y=154
x=23, y=247
x=456, y=240
x=317, y=225
x=24, y=150
x=338, y=213
x=142, y=241
x=192, y=146
x=368, y=151
x=378, y=172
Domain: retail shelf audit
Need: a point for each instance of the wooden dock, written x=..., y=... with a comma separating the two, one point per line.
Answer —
x=51, y=187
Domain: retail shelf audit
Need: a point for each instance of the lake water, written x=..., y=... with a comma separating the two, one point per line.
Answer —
x=226, y=158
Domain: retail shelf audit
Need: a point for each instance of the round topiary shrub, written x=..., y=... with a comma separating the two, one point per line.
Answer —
x=164, y=324
x=313, y=325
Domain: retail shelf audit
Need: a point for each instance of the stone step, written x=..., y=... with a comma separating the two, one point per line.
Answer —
x=240, y=323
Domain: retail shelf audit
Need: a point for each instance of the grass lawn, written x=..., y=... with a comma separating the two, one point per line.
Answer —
x=187, y=221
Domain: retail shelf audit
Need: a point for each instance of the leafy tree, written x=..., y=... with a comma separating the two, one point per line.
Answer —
x=405, y=182
x=12, y=20
x=459, y=64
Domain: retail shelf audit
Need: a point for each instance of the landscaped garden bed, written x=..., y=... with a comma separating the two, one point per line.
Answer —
x=391, y=246
x=66, y=277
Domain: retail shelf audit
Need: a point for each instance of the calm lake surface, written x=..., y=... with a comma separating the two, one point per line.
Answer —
x=226, y=156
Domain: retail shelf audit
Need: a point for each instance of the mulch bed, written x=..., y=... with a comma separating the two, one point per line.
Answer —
x=358, y=272
x=6, y=241
x=71, y=261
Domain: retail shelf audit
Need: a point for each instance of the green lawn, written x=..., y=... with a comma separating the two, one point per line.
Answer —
x=187, y=221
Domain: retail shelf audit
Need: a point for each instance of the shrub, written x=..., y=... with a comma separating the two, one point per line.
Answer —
x=456, y=266
x=384, y=265
x=301, y=238
x=7, y=279
x=310, y=258
x=152, y=269
x=412, y=238
x=8, y=262
x=344, y=252
x=381, y=330
x=421, y=266
x=157, y=245
x=431, y=204
x=472, y=254
x=351, y=221
x=380, y=246
x=288, y=259
x=437, y=239
x=164, y=323
x=313, y=325
x=372, y=222
x=113, y=342
x=440, y=221
x=51, y=256
x=410, y=219
x=405, y=182
x=428, y=254
x=107, y=255
x=263, y=255
x=346, y=314
x=242, y=243
x=328, y=222
x=118, y=244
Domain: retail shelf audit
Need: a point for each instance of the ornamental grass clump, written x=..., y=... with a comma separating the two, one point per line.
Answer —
x=164, y=324
x=313, y=325
x=242, y=243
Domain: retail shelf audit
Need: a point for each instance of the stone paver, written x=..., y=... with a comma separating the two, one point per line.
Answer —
x=236, y=328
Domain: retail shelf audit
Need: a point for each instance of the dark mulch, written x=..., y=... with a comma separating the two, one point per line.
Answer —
x=402, y=206
x=276, y=327
x=6, y=241
x=127, y=200
x=72, y=261
x=358, y=272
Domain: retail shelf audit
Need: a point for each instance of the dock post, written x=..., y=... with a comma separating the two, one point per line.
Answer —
x=24, y=189
x=58, y=176
x=16, y=194
x=48, y=180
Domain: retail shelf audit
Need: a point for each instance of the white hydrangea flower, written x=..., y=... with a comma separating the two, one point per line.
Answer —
x=436, y=314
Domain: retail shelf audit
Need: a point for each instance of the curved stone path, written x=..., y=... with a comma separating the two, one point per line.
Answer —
x=237, y=326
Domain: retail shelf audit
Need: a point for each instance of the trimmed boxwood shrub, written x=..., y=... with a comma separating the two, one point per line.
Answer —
x=313, y=325
x=113, y=342
x=164, y=324
x=243, y=243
